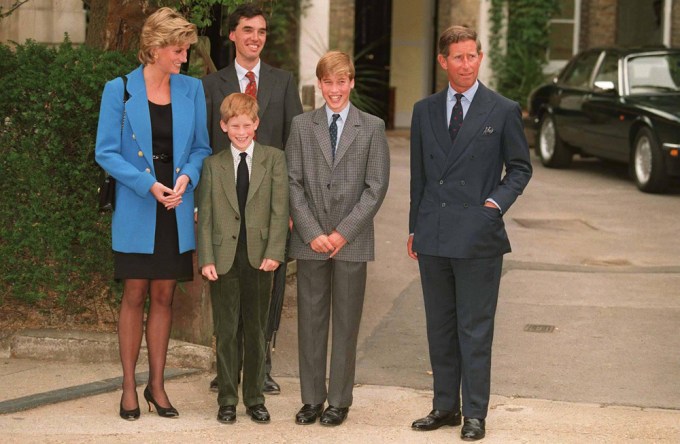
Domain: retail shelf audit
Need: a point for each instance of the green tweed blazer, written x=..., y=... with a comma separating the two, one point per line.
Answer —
x=219, y=219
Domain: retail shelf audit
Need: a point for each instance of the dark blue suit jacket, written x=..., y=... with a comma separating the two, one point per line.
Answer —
x=449, y=184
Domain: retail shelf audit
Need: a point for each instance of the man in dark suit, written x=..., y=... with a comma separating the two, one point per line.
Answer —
x=279, y=101
x=461, y=140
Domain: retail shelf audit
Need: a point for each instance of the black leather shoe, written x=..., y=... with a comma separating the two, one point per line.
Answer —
x=308, y=414
x=333, y=416
x=270, y=386
x=473, y=429
x=258, y=413
x=227, y=414
x=436, y=419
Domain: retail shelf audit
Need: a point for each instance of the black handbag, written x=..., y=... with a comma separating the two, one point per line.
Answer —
x=107, y=190
x=107, y=193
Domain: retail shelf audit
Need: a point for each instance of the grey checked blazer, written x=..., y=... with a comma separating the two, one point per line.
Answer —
x=343, y=195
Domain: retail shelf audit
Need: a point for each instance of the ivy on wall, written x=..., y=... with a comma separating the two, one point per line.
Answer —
x=518, y=44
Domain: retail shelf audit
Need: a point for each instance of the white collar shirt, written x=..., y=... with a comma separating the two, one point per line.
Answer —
x=341, y=120
x=235, y=153
x=241, y=75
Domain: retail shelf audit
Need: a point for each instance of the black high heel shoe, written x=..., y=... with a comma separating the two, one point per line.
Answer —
x=165, y=412
x=129, y=415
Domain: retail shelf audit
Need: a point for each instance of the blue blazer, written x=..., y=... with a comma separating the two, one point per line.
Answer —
x=450, y=183
x=127, y=157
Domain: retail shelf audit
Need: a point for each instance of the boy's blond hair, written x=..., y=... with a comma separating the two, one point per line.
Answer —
x=238, y=104
x=335, y=63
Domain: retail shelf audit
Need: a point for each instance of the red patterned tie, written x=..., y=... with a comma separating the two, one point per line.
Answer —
x=251, y=88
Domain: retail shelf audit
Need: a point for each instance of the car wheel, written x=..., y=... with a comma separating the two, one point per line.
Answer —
x=549, y=146
x=648, y=164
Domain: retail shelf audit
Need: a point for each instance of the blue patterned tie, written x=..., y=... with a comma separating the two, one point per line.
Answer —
x=333, y=129
x=456, y=119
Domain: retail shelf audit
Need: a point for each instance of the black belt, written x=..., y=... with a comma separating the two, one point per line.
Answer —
x=165, y=158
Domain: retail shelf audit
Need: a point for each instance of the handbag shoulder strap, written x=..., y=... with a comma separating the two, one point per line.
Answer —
x=126, y=94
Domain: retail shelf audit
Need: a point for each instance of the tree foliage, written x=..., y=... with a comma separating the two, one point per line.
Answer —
x=518, y=63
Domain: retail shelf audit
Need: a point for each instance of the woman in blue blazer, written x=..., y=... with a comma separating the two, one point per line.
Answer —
x=156, y=157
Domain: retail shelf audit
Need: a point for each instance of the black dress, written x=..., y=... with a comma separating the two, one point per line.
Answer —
x=166, y=262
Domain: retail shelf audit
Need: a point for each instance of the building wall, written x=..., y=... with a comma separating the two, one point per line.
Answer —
x=314, y=42
x=465, y=13
x=44, y=21
x=459, y=12
x=411, y=56
x=341, y=31
x=598, y=23
x=675, y=24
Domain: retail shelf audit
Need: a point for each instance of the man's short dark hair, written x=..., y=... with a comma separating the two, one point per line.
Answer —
x=457, y=34
x=247, y=10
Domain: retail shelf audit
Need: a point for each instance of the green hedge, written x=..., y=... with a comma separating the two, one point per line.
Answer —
x=518, y=67
x=53, y=242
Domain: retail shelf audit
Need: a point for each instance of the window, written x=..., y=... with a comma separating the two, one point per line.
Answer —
x=607, y=77
x=564, y=29
x=579, y=72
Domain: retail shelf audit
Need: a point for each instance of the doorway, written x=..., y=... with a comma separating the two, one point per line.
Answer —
x=372, y=42
x=640, y=23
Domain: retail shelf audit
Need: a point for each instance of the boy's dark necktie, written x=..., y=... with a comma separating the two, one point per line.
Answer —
x=242, y=184
x=333, y=130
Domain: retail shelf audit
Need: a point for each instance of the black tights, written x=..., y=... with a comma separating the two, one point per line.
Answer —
x=130, y=328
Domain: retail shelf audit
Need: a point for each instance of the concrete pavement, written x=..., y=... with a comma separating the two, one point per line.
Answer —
x=379, y=414
x=586, y=262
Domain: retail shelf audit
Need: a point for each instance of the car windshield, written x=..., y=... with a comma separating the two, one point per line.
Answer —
x=654, y=74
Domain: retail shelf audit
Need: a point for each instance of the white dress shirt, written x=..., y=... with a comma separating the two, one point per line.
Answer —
x=241, y=75
x=237, y=159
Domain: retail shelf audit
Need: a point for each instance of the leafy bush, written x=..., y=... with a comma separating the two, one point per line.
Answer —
x=518, y=68
x=53, y=242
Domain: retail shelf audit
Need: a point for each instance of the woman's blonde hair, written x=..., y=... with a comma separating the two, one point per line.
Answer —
x=163, y=28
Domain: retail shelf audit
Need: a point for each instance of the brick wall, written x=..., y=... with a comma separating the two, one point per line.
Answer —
x=601, y=23
x=675, y=24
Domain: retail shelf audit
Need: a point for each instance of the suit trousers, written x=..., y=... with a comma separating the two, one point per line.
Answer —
x=460, y=305
x=244, y=293
x=325, y=287
x=278, y=293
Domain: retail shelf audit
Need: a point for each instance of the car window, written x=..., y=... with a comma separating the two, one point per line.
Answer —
x=607, y=78
x=578, y=73
x=654, y=73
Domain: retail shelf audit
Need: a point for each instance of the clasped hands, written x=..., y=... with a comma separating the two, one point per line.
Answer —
x=170, y=198
x=328, y=243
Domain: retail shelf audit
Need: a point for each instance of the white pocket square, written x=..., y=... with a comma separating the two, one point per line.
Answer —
x=488, y=130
